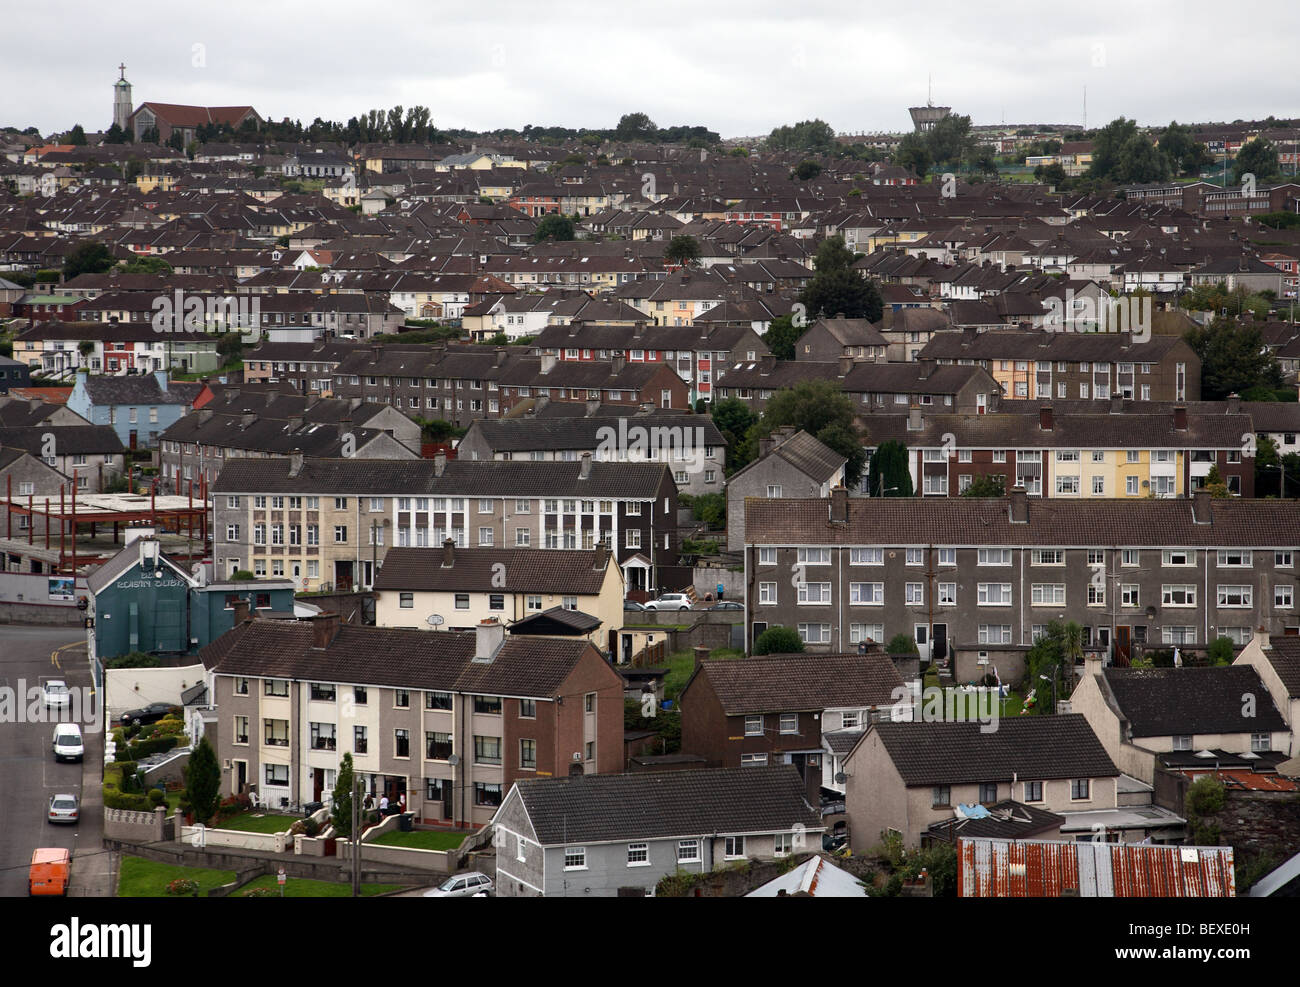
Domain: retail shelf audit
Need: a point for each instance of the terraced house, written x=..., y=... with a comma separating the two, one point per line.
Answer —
x=328, y=523
x=1076, y=449
x=1134, y=574
x=449, y=720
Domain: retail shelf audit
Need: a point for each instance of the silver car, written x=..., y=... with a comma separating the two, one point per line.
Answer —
x=469, y=885
x=64, y=809
x=56, y=694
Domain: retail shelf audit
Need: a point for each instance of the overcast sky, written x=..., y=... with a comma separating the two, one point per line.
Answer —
x=739, y=68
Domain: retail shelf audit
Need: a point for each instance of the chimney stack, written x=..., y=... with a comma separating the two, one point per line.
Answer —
x=439, y=464
x=839, y=505
x=616, y=364
x=295, y=462
x=602, y=555
x=1019, y=505
x=584, y=472
x=324, y=629
x=1201, y=506
x=914, y=420
x=241, y=609
x=489, y=635
x=1233, y=404
x=1045, y=418
x=766, y=363
x=701, y=656
x=846, y=365
x=1180, y=417
x=448, y=553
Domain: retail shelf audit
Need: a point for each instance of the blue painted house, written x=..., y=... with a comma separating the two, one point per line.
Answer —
x=139, y=407
x=142, y=601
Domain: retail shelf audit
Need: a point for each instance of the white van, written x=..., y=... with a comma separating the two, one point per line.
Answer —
x=67, y=742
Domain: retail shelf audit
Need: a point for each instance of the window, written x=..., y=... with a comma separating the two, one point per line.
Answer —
x=994, y=633
x=528, y=709
x=814, y=556
x=406, y=601
x=947, y=594
x=815, y=633
x=437, y=700
x=1178, y=595
x=1235, y=596
x=1283, y=597
x=1047, y=556
x=490, y=705
x=277, y=774
x=340, y=534
x=1099, y=485
x=1066, y=485
x=813, y=594
x=322, y=691
x=277, y=687
x=753, y=726
x=633, y=538
x=360, y=742
x=767, y=556
x=947, y=556
x=1096, y=595
x=734, y=847
x=462, y=601
x=994, y=556
x=1033, y=791
x=688, y=851
x=914, y=594
x=1282, y=560
x=994, y=594
x=1079, y=789
x=527, y=754
x=988, y=792
x=486, y=793
x=782, y=844
x=241, y=687
x=1129, y=557
x=1260, y=742
x=1234, y=559
x=275, y=733
x=401, y=699
x=866, y=632
x=1047, y=594
x=241, y=729
x=322, y=737
x=1130, y=595
x=789, y=722
x=1178, y=557
x=401, y=743
x=941, y=796
x=1177, y=634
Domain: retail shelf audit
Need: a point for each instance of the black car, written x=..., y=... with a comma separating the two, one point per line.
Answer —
x=148, y=714
x=728, y=605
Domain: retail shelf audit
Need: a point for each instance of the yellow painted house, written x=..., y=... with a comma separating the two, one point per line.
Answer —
x=575, y=592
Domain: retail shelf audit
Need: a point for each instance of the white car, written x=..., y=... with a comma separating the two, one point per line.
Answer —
x=470, y=885
x=670, y=601
x=55, y=693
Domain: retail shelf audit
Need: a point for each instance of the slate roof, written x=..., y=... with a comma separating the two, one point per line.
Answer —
x=134, y=389
x=1028, y=748
x=461, y=478
x=962, y=521
x=1160, y=702
x=1007, y=820
x=1284, y=655
x=69, y=440
x=395, y=658
x=802, y=683
x=587, y=433
x=658, y=804
x=474, y=570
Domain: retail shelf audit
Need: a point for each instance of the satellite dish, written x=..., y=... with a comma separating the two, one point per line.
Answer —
x=840, y=777
x=453, y=759
x=434, y=620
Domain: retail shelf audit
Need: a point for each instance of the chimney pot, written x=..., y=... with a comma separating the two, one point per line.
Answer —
x=1019, y=505
x=325, y=628
x=448, y=553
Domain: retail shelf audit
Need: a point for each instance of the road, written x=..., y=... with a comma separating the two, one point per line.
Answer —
x=29, y=775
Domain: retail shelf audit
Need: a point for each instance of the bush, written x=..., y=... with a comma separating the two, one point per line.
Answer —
x=778, y=641
x=901, y=644
x=134, y=659
x=155, y=745
x=157, y=796
x=1220, y=651
x=182, y=886
x=258, y=893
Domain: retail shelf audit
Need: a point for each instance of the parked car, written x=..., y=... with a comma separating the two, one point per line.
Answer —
x=148, y=714
x=55, y=694
x=727, y=605
x=469, y=885
x=63, y=809
x=67, y=743
x=631, y=606
x=670, y=601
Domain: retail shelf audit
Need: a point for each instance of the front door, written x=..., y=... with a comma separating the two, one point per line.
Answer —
x=626, y=649
x=343, y=577
x=1123, y=642
x=241, y=777
x=923, y=641
x=317, y=783
x=940, y=643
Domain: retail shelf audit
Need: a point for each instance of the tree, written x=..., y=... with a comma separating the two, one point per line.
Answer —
x=230, y=347
x=1233, y=359
x=1205, y=799
x=1214, y=483
x=901, y=644
x=1053, y=174
x=825, y=412
x=888, y=475
x=145, y=265
x=635, y=127
x=554, y=227
x=1107, y=145
x=807, y=135
x=734, y=419
x=807, y=170
x=77, y=136
x=1141, y=161
x=116, y=135
x=203, y=781
x=781, y=336
x=837, y=289
x=986, y=486
x=778, y=641
x=344, y=792
x=1258, y=158
x=949, y=140
x=914, y=154
x=91, y=257
x=1185, y=155
x=683, y=249
x=1220, y=651
x=85, y=348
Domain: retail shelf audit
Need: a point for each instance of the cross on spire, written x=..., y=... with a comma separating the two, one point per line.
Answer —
x=122, y=68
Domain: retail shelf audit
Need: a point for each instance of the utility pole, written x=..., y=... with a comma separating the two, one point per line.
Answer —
x=356, y=837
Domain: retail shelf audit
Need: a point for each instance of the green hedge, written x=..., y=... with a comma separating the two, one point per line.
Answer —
x=156, y=745
x=114, y=797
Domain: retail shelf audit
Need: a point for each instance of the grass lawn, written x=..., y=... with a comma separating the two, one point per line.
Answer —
x=174, y=800
x=301, y=887
x=140, y=878
x=423, y=839
x=682, y=664
x=254, y=822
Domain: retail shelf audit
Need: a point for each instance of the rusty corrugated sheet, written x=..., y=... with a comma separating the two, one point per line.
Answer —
x=989, y=868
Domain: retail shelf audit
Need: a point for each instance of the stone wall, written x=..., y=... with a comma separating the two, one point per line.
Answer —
x=123, y=824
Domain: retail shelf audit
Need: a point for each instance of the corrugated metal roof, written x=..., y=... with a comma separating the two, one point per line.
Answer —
x=989, y=868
